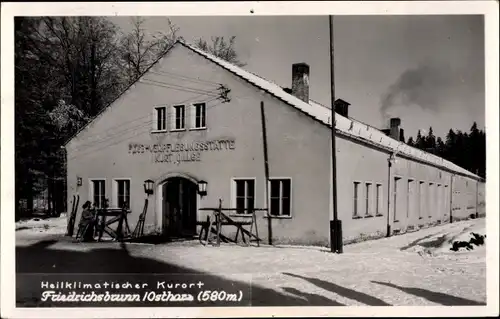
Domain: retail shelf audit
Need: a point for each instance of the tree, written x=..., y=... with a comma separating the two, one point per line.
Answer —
x=84, y=57
x=410, y=141
x=440, y=147
x=63, y=65
x=139, y=52
x=420, y=141
x=430, y=142
x=221, y=48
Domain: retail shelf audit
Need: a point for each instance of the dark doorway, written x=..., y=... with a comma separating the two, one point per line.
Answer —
x=179, y=207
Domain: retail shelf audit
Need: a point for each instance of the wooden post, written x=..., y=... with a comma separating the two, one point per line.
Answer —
x=218, y=221
x=266, y=171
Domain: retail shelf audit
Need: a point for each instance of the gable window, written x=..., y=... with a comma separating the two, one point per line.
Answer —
x=179, y=117
x=244, y=195
x=98, y=192
x=161, y=118
x=280, y=197
x=200, y=115
x=122, y=193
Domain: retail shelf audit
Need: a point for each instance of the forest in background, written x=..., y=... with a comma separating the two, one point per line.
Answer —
x=67, y=69
x=465, y=149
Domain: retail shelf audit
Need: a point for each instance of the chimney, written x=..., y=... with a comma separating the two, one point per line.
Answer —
x=394, y=128
x=342, y=107
x=300, y=81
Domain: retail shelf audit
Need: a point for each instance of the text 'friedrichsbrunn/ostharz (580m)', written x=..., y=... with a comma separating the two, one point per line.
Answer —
x=181, y=152
x=135, y=292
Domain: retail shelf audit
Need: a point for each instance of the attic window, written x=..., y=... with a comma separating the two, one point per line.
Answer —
x=161, y=118
x=200, y=115
x=179, y=117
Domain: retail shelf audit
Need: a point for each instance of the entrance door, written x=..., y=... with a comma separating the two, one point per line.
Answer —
x=179, y=207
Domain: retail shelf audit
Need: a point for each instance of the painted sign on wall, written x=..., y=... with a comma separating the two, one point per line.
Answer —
x=180, y=152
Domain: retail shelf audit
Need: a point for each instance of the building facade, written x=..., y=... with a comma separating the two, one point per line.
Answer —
x=193, y=117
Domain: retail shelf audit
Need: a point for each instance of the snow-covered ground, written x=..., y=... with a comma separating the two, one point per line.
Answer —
x=411, y=269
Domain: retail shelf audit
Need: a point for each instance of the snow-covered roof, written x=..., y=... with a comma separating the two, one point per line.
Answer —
x=344, y=126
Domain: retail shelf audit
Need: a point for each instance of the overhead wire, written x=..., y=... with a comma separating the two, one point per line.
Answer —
x=185, y=77
x=135, y=129
x=121, y=125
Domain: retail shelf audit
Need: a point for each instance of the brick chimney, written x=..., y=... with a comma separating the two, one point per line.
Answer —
x=394, y=128
x=300, y=81
x=342, y=107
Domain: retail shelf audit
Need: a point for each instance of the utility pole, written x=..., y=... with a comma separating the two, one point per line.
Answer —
x=336, y=224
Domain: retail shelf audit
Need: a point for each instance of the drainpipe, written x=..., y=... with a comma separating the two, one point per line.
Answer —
x=451, y=198
x=390, y=161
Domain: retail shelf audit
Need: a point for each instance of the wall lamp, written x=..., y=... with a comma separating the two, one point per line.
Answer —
x=202, y=188
x=148, y=186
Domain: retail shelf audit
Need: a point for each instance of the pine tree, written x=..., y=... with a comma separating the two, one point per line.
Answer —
x=410, y=141
x=430, y=142
x=420, y=141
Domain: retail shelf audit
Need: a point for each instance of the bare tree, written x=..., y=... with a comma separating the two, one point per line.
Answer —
x=221, y=48
x=139, y=50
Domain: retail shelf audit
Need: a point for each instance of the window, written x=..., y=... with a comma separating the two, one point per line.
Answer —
x=446, y=200
x=200, y=115
x=245, y=195
x=179, y=117
x=122, y=193
x=98, y=192
x=367, y=199
x=409, y=199
x=395, y=208
x=421, y=204
x=379, y=199
x=355, y=204
x=439, y=202
x=430, y=199
x=161, y=118
x=280, y=194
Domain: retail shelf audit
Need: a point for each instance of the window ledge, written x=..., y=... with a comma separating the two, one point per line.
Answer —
x=158, y=131
x=420, y=218
x=396, y=221
x=178, y=130
x=368, y=216
x=357, y=217
x=277, y=217
x=379, y=215
x=198, y=128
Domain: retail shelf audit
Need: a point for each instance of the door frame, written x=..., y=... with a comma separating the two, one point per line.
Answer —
x=159, y=196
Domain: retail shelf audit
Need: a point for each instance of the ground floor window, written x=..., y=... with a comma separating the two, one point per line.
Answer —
x=379, y=200
x=355, y=212
x=98, y=192
x=367, y=199
x=395, y=206
x=122, y=194
x=280, y=197
x=245, y=195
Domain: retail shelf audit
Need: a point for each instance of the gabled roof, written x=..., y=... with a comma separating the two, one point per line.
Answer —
x=344, y=126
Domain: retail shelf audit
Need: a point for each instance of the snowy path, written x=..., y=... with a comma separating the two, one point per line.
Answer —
x=388, y=271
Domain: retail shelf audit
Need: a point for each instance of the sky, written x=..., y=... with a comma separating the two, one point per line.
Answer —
x=426, y=70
